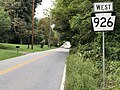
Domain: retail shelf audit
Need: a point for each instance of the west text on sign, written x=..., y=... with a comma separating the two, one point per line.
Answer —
x=103, y=7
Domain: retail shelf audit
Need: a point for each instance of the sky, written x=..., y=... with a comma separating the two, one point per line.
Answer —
x=46, y=4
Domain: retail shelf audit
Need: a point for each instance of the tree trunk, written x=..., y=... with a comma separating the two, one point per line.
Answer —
x=21, y=41
x=6, y=40
x=49, y=42
x=28, y=41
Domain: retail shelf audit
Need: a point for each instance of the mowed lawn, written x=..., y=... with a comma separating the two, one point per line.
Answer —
x=9, y=50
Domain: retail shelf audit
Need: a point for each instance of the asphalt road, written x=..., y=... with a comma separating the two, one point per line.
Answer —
x=35, y=71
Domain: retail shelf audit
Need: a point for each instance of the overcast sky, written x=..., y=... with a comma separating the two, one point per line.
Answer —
x=46, y=4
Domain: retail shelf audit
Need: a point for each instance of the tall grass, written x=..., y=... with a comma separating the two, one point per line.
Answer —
x=80, y=74
x=84, y=68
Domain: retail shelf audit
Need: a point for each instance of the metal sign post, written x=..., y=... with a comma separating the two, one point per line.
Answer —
x=103, y=19
x=104, y=74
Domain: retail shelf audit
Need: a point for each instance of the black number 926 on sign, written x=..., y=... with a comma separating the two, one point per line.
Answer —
x=103, y=22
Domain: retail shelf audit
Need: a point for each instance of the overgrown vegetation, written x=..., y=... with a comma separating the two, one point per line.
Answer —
x=73, y=20
x=87, y=60
x=81, y=73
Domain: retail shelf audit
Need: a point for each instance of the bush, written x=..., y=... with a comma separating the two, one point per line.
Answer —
x=7, y=46
x=85, y=64
x=3, y=46
x=113, y=75
x=81, y=74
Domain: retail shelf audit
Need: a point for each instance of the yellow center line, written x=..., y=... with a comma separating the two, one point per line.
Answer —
x=21, y=64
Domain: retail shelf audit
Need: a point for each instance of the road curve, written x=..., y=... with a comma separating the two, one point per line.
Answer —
x=35, y=71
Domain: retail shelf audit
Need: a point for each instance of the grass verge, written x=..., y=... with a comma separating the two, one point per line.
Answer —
x=81, y=74
x=9, y=50
x=5, y=54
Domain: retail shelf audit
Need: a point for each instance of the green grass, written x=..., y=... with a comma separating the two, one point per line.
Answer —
x=5, y=54
x=80, y=74
x=9, y=50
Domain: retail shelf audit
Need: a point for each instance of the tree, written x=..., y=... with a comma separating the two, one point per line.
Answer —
x=44, y=27
x=50, y=36
x=54, y=38
x=72, y=17
x=5, y=33
x=61, y=17
x=20, y=12
x=20, y=28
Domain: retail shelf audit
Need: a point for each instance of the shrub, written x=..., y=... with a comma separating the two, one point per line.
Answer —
x=80, y=74
x=85, y=63
x=3, y=46
x=7, y=46
x=113, y=76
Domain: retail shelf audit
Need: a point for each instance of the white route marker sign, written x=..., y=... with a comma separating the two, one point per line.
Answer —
x=103, y=18
x=103, y=22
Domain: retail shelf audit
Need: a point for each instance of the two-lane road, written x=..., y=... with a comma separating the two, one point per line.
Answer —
x=35, y=71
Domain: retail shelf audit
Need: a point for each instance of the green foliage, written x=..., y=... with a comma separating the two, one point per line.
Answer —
x=42, y=43
x=5, y=20
x=39, y=36
x=7, y=47
x=20, y=27
x=45, y=30
x=20, y=12
x=113, y=78
x=73, y=20
x=6, y=54
x=3, y=46
x=23, y=48
x=61, y=17
x=44, y=27
x=9, y=50
x=81, y=74
x=93, y=52
x=4, y=26
x=54, y=38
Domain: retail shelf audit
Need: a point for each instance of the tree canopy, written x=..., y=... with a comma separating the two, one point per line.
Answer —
x=20, y=14
x=73, y=18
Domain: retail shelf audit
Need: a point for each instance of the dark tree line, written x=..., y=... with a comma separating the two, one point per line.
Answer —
x=17, y=15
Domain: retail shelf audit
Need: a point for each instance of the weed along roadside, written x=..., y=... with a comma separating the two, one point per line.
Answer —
x=13, y=50
x=81, y=73
x=84, y=69
x=92, y=65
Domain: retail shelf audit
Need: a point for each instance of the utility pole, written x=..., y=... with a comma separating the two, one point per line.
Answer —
x=32, y=24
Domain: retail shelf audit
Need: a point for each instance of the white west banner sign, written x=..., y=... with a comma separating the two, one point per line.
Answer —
x=103, y=7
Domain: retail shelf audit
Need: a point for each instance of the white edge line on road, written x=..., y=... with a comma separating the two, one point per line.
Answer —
x=63, y=79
